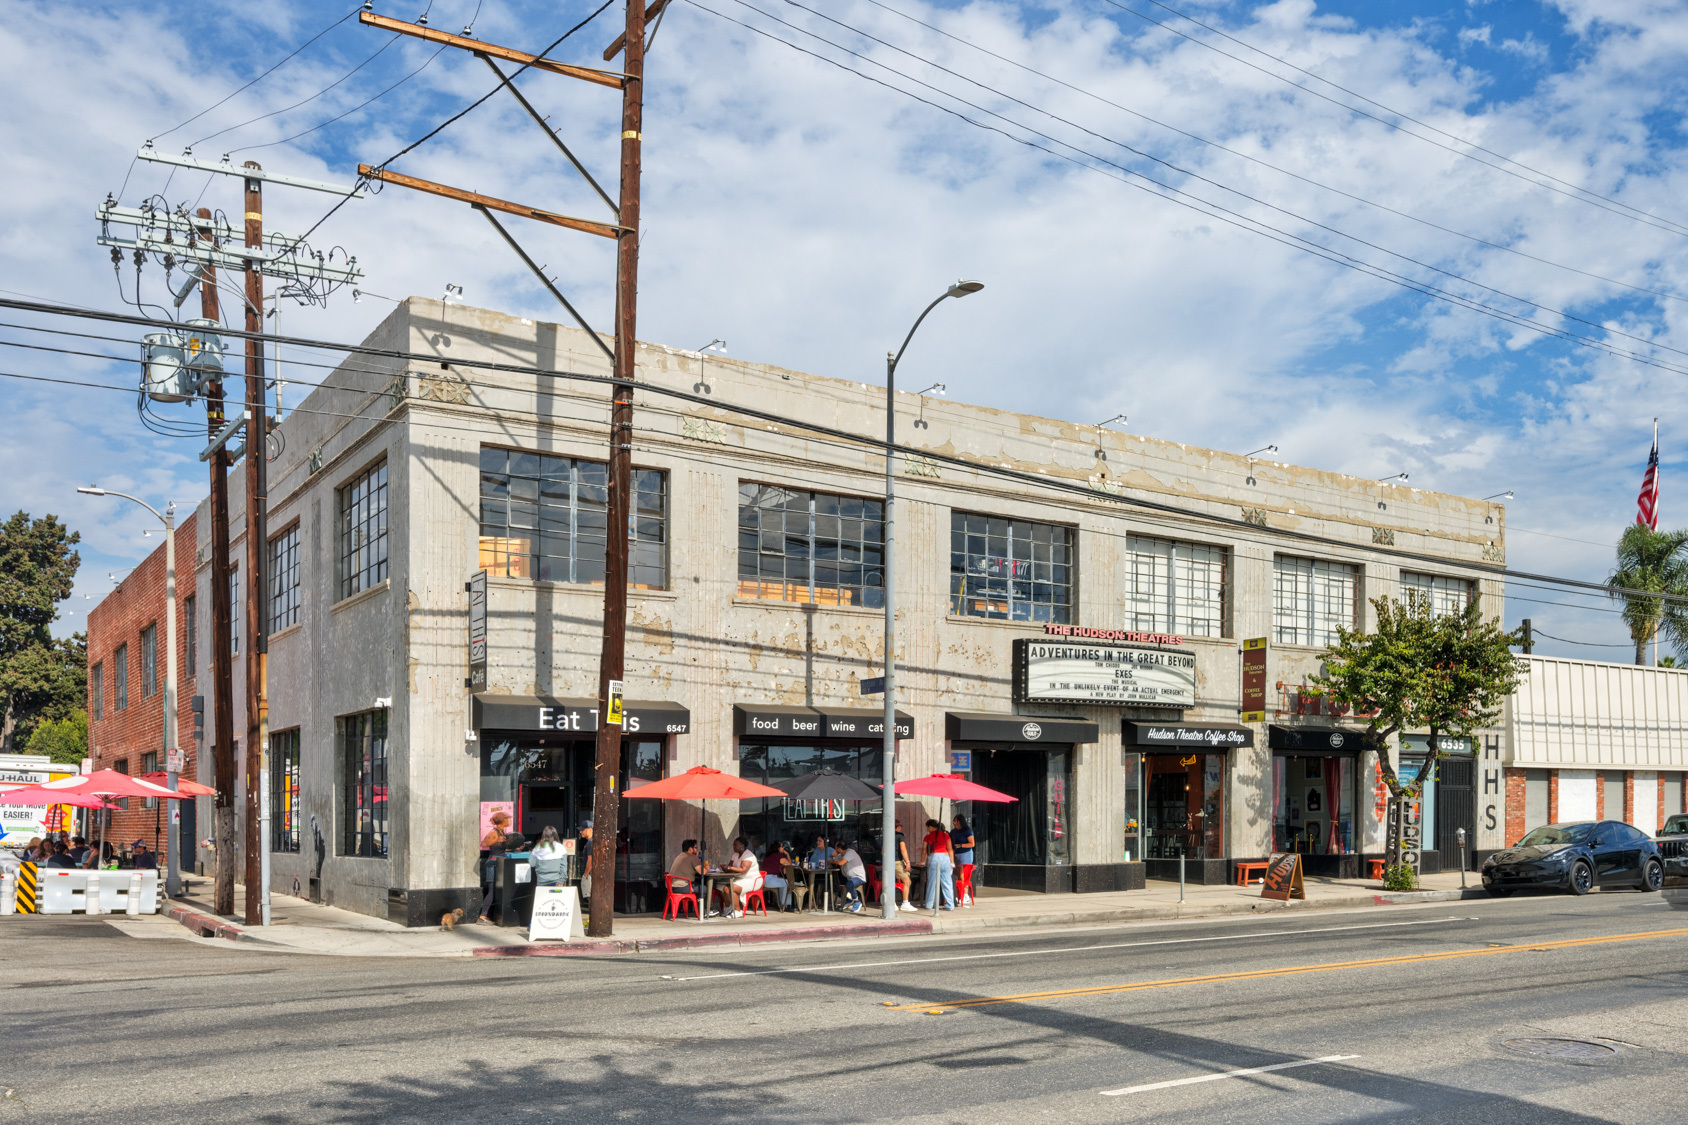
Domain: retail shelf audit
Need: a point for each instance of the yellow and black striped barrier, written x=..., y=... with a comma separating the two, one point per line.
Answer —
x=29, y=889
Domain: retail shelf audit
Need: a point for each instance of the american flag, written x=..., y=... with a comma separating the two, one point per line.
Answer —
x=1647, y=504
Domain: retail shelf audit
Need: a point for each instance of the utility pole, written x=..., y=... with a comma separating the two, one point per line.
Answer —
x=606, y=806
x=222, y=630
x=257, y=500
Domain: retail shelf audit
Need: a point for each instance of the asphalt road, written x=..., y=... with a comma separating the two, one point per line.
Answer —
x=1092, y=1025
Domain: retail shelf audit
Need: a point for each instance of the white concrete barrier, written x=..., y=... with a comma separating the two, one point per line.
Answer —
x=65, y=891
x=8, y=892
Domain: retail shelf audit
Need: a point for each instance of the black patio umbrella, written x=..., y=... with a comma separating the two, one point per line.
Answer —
x=827, y=784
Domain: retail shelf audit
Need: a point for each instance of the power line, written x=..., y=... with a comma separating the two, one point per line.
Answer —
x=1589, y=197
x=1219, y=211
x=429, y=61
x=1584, y=644
x=379, y=51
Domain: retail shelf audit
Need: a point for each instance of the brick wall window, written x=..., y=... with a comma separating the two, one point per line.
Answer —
x=284, y=580
x=149, y=661
x=545, y=517
x=363, y=792
x=363, y=532
x=149, y=764
x=1176, y=587
x=96, y=689
x=794, y=545
x=190, y=626
x=284, y=798
x=1312, y=599
x=1012, y=570
x=120, y=678
x=1447, y=596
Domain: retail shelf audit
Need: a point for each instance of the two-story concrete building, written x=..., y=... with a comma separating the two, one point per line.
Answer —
x=1071, y=603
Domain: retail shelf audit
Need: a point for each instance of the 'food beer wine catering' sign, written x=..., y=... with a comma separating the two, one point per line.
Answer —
x=1081, y=672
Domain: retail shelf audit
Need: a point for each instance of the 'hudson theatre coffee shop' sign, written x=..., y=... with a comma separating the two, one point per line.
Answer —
x=1061, y=671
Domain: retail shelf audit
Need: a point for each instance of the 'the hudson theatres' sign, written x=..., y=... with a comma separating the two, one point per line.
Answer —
x=1077, y=672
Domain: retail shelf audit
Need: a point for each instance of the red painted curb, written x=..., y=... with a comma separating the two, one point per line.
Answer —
x=749, y=937
x=205, y=925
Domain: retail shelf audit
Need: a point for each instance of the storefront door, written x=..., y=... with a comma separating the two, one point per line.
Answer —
x=1025, y=843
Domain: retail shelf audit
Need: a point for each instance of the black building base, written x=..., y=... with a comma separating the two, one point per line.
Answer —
x=1197, y=872
x=1050, y=879
x=425, y=907
x=1430, y=863
x=1332, y=866
x=1096, y=878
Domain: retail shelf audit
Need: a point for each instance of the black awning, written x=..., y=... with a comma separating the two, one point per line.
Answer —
x=860, y=722
x=1033, y=730
x=1315, y=740
x=1187, y=736
x=523, y=713
x=773, y=720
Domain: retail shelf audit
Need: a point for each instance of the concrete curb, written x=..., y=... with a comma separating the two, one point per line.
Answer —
x=901, y=928
x=205, y=925
x=1403, y=897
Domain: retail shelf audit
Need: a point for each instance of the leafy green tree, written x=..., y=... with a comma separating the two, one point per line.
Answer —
x=63, y=740
x=1448, y=675
x=39, y=677
x=1655, y=561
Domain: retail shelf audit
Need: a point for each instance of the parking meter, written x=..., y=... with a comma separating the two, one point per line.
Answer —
x=1459, y=838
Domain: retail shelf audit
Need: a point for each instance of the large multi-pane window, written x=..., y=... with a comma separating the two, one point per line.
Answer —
x=546, y=517
x=190, y=625
x=149, y=661
x=1312, y=599
x=284, y=795
x=96, y=689
x=363, y=532
x=816, y=547
x=363, y=793
x=1014, y=570
x=1446, y=595
x=120, y=678
x=1176, y=587
x=284, y=580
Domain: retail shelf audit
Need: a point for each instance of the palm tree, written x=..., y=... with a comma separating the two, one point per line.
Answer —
x=1655, y=561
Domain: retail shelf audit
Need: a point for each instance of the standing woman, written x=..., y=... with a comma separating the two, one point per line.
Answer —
x=961, y=840
x=548, y=859
x=939, y=866
x=493, y=846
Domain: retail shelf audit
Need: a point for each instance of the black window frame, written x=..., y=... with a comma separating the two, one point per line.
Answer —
x=361, y=517
x=96, y=689
x=365, y=822
x=807, y=546
x=120, y=677
x=974, y=590
x=149, y=661
x=149, y=765
x=282, y=607
x=190, y=628
x=284, y=791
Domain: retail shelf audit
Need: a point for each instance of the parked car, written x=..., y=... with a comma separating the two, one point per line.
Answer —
x=1675, y=825
x=1577, y=857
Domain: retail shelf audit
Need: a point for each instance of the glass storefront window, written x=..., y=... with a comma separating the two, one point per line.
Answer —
x=1133, y=807
x=766, y=821
x=1060, y=809
x=1184, y=809
x=1313, y=803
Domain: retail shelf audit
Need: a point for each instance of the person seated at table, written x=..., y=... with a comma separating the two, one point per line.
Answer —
x=745, y=867
x=819, y=854
x=685, y=868
x=773, y=872
x=850, y=865
x=60, y=856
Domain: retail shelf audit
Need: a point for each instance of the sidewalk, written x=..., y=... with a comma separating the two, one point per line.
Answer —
x=303, y=927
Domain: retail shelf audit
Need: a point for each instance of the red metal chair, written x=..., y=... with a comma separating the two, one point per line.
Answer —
x=753, y=897
x=964, y=885
x=876, y=886
x=676, y=901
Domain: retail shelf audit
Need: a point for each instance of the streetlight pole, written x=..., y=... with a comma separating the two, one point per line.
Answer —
x=172, y=879
x=888, y=826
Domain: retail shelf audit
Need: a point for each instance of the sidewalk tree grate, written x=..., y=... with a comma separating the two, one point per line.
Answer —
x=1559, y=1048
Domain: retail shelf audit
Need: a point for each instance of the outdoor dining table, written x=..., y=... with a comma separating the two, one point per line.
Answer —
x=711, y=880
x=819, y=882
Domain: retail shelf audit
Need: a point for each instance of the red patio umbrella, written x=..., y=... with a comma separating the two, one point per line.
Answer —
x=103, y=786
x=701, y=783
x=183, y=786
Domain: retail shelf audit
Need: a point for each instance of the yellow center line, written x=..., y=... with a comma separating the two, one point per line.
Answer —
x=1293, y=970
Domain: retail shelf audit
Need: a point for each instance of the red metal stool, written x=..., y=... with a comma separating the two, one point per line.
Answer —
x=676, y=901
x=755, y=892
x=964, y=885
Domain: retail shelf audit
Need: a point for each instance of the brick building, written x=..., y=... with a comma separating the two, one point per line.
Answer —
x=127, y=643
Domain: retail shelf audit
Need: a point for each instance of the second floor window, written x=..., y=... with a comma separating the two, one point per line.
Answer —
x=1446, y=596
x=284, y=580
x=363, y=532
x=96, y=689
x=120, y=678
x=1176, y=587
x=1010, y=570
x=190, y=626
x=149, y=661
x=545, y=517
x=149, y=765
x=797, y=546
x=1312, y=600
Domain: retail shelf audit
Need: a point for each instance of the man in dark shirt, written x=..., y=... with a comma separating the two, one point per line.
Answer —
x=60, y=856
x=144, y=859
x=583, y=852
x=78, y=850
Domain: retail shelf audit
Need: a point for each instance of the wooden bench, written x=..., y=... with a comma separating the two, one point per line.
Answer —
x=1247, y=868
x=1374, y=869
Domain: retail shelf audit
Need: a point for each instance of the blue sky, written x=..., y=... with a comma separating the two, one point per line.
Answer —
x=803, y=213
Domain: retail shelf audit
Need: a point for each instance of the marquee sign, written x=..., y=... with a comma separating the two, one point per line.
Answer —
x=1122, y=675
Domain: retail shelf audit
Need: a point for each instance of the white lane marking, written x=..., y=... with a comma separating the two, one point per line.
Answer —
x=1226, y=1074
x=1075, y=949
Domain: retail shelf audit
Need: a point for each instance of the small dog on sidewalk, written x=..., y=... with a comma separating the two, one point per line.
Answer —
x=450, y=918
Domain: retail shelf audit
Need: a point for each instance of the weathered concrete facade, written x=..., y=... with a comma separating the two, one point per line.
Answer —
x=701, y=644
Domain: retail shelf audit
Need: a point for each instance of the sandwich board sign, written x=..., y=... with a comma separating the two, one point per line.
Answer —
x=1283, y=878
x=556, y=914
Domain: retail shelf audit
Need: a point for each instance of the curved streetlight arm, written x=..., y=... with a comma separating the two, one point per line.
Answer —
x=126, y=496
x=898, y=358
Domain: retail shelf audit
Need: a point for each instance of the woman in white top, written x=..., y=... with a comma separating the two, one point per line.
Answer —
x=549, y=860
x=747, y=870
